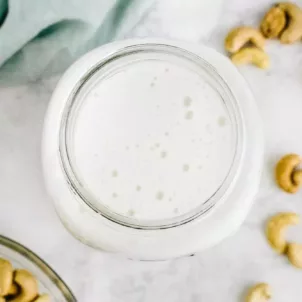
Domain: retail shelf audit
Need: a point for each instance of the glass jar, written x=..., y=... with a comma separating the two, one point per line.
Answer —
x=152, y=148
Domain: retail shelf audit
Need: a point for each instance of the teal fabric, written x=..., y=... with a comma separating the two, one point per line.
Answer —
x=39, y=38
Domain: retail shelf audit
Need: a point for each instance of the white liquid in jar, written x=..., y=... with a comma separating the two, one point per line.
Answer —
x=153, y=141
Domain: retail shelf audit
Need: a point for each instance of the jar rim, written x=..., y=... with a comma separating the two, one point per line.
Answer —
x=65, y=151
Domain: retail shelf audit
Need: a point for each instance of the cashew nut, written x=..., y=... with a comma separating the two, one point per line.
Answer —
x=294, y=254
x=259, y=293
x=252, y=55
x=28, y=285
x=6, y=276
x=13, y=290
x=288, y=178
x=43, y=298
x=297, y=177
x=276, y=227
x=292, y=32
x=273, y=22
x=241, y=36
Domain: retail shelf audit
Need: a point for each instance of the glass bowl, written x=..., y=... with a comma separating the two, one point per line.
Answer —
x=49, y=282
x=107, y=117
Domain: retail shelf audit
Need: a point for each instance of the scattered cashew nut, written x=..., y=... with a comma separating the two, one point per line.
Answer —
x=293, y=31
x=273, y=22
x=245, y=43
x=6, y=276
x=294, y=254
x=276, y=227
x=252, y=55
x=259, y=293
x=241, y=36
x=28, y=285
x=287, y=175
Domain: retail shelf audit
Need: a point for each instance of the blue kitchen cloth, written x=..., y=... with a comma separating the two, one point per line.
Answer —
x=39, y=38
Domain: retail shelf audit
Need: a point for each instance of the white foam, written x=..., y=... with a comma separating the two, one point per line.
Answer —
x=152, y=139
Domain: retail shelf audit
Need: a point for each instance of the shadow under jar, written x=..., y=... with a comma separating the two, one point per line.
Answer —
x=152, y=148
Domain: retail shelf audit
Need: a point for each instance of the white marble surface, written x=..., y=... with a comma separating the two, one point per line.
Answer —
x=220, y=274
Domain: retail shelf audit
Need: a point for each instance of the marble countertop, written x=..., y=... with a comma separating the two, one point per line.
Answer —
x=220, y=274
